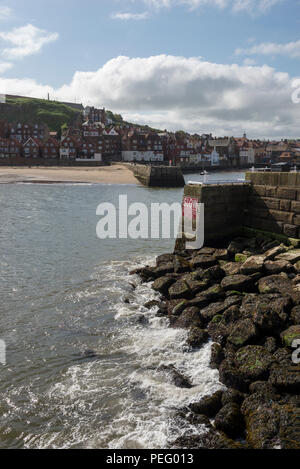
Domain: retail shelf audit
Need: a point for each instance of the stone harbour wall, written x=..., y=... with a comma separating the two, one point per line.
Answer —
x=158, y=176
x=268, y=202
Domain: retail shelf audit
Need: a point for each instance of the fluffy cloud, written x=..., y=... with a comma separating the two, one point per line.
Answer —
x=183, y=93
x=5, y=12
x=236, y=5
x=130, y=16
x=290, y=49
x=25, y=41
x=5, y=66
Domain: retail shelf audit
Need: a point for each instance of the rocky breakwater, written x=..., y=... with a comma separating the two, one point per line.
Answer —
x=245, y=298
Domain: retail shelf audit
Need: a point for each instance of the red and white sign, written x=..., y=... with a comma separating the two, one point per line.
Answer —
x=188, y=204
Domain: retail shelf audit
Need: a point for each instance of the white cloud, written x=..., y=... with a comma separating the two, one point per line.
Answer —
x=177, y=92
x=251, y=6
x=5, y=66
x=290, y=49
x=130, y=16
x=26, y=40
x=5, y=12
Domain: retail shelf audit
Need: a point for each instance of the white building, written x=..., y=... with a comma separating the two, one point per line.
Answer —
x=146, y=156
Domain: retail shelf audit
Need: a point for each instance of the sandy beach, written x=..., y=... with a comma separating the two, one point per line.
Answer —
x=115, y=174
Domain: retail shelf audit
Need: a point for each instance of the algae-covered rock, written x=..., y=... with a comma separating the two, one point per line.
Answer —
x=290, y=335
x=276, y=267
x=275, y=284
x=180, y=289
x=295, y=315
x=230, y=420
x=232, y=396
x=164, y=259
x=196, y=337
x=189, y=317
x=253, y=362
x=240, y=258
x=231, y=268
x=212, y=440
x=163, y=284
x=268, y=311
x=163, y=269
x=180, y=307
x=274, y=252
x=244, y=332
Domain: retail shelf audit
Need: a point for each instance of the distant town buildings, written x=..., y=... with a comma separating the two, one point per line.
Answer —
x=95, y=137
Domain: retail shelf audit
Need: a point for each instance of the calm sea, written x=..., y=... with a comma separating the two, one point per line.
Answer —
x=81, y=348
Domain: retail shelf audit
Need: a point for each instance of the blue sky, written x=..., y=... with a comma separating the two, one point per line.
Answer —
x=220, y=65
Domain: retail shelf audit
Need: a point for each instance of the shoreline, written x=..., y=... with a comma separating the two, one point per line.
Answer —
x=245, y=298
x=115, y=174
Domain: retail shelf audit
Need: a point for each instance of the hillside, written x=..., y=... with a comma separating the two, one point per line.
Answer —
x=32, y=110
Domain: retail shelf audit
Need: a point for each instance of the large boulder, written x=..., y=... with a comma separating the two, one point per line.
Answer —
x=295, y=315
x=164, y=259
x=177, y=378
x=275, y=284
x=197, y=337
x=291, y=256
x=276, y=267
x=180, y=264
x=231, y=268
x=274, y=252
x=203, y=261
x=252, y=265
x=217, y=355
x=208, y=405
x=243, y=333
x=230, y=420
x=253, y=363
x=240, y=283
x=179, y=289
x=163, y=284
x=189, y=317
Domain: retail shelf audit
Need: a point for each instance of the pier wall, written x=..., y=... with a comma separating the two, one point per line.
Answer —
x=158, y=176
x=268, y=202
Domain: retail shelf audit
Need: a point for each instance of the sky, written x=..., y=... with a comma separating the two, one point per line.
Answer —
x=220, y=66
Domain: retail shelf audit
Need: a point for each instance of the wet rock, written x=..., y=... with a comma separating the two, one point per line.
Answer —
x=218, y=330
x=181, y=265
x=164, y=259
x=143, y=320
x=274, y=252
x=152, y=304
x=217, y=355
x=197, y=286
x=268, y=311
x=232, y=396
x=213, y=293
x=212, y=310
x=252, y=265
x=253, y=362
x=203, y=262
x=295, y=315
x=236, y=282
x=214, y=273
x=146, y=273
x=274, y=284
x=230, y=420
x=189, y=317
x=232, y=268
x=163, y=284
x=208, y=405
x=262, y=388
x=221, y=254
x=197, y=337
x=163, y=269
x=290, y=335
x=231, y=376
x=291, y=256
x=211, y=440
x=262, y=426
x=232, y=315
x=276, y=267
x=179, y=289
x=243, y=333
x=179, y=308
x=178, y=379
x=199, y=301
